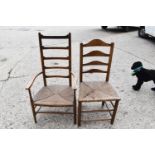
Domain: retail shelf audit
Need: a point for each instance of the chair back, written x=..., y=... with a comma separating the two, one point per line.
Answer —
x=96, y=43
x=53, y=51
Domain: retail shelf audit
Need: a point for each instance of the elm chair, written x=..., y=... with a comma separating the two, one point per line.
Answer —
x=54, y=95
x=96, y=91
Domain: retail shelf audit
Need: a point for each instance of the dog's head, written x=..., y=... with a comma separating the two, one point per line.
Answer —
x=136, y=67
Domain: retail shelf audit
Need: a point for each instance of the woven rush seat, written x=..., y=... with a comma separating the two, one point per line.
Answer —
x=55, y=95
x=97, y=91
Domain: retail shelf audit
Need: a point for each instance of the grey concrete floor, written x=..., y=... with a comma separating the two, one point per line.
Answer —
x=20, y=60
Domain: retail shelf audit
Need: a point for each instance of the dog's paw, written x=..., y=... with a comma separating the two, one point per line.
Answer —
x=135, y=87
x=153, y=89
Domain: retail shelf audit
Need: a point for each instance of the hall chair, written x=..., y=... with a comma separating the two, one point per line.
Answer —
x=61, y=96
x=100, y=90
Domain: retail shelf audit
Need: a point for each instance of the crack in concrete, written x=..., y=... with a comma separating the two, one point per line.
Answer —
x=10, y=71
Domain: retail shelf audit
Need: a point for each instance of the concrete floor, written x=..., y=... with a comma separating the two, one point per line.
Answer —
x=20, y=60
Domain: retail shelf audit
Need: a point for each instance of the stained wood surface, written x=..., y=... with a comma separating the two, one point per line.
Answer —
x=94, y=71
x=95, y=63
x=96, y=42
x=54, y=48
x=96, y=53
x=56, y=76
x=56, y=67
x=53, y=37
x=56, y=58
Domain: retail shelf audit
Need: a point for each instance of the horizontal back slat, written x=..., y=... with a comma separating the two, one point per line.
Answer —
x=56, y=58
x=95, y=63
x=55, y=48
x=96, y=42
x=53, y=37
x=94, y=71
x=96, y=53
x=56, y=76
x=57, y=67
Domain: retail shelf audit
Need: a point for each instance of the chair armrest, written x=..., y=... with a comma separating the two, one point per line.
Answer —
x=74, y=82
x=30, y=83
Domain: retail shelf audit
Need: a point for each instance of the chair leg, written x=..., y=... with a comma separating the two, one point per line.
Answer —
x=34, y=113
x=79, y=114
x=115, y=110
x=74, y=109
x=32, y=106
x=103, y=103
x=35, y=119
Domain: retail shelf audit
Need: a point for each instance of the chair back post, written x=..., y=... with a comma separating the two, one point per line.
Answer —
x=81, y=62
x=70, y=57
x=42, y=58
x=110, y=61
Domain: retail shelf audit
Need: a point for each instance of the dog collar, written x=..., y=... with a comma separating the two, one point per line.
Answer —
x=138, y=69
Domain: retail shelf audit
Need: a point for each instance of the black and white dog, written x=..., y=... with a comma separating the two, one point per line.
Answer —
x=143, y=75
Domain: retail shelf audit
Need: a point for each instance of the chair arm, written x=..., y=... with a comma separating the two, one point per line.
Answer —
x=74, y=82
x=30, y=83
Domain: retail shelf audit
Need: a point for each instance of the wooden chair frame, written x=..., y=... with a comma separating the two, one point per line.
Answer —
x=71, y=77
x=97, y=53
